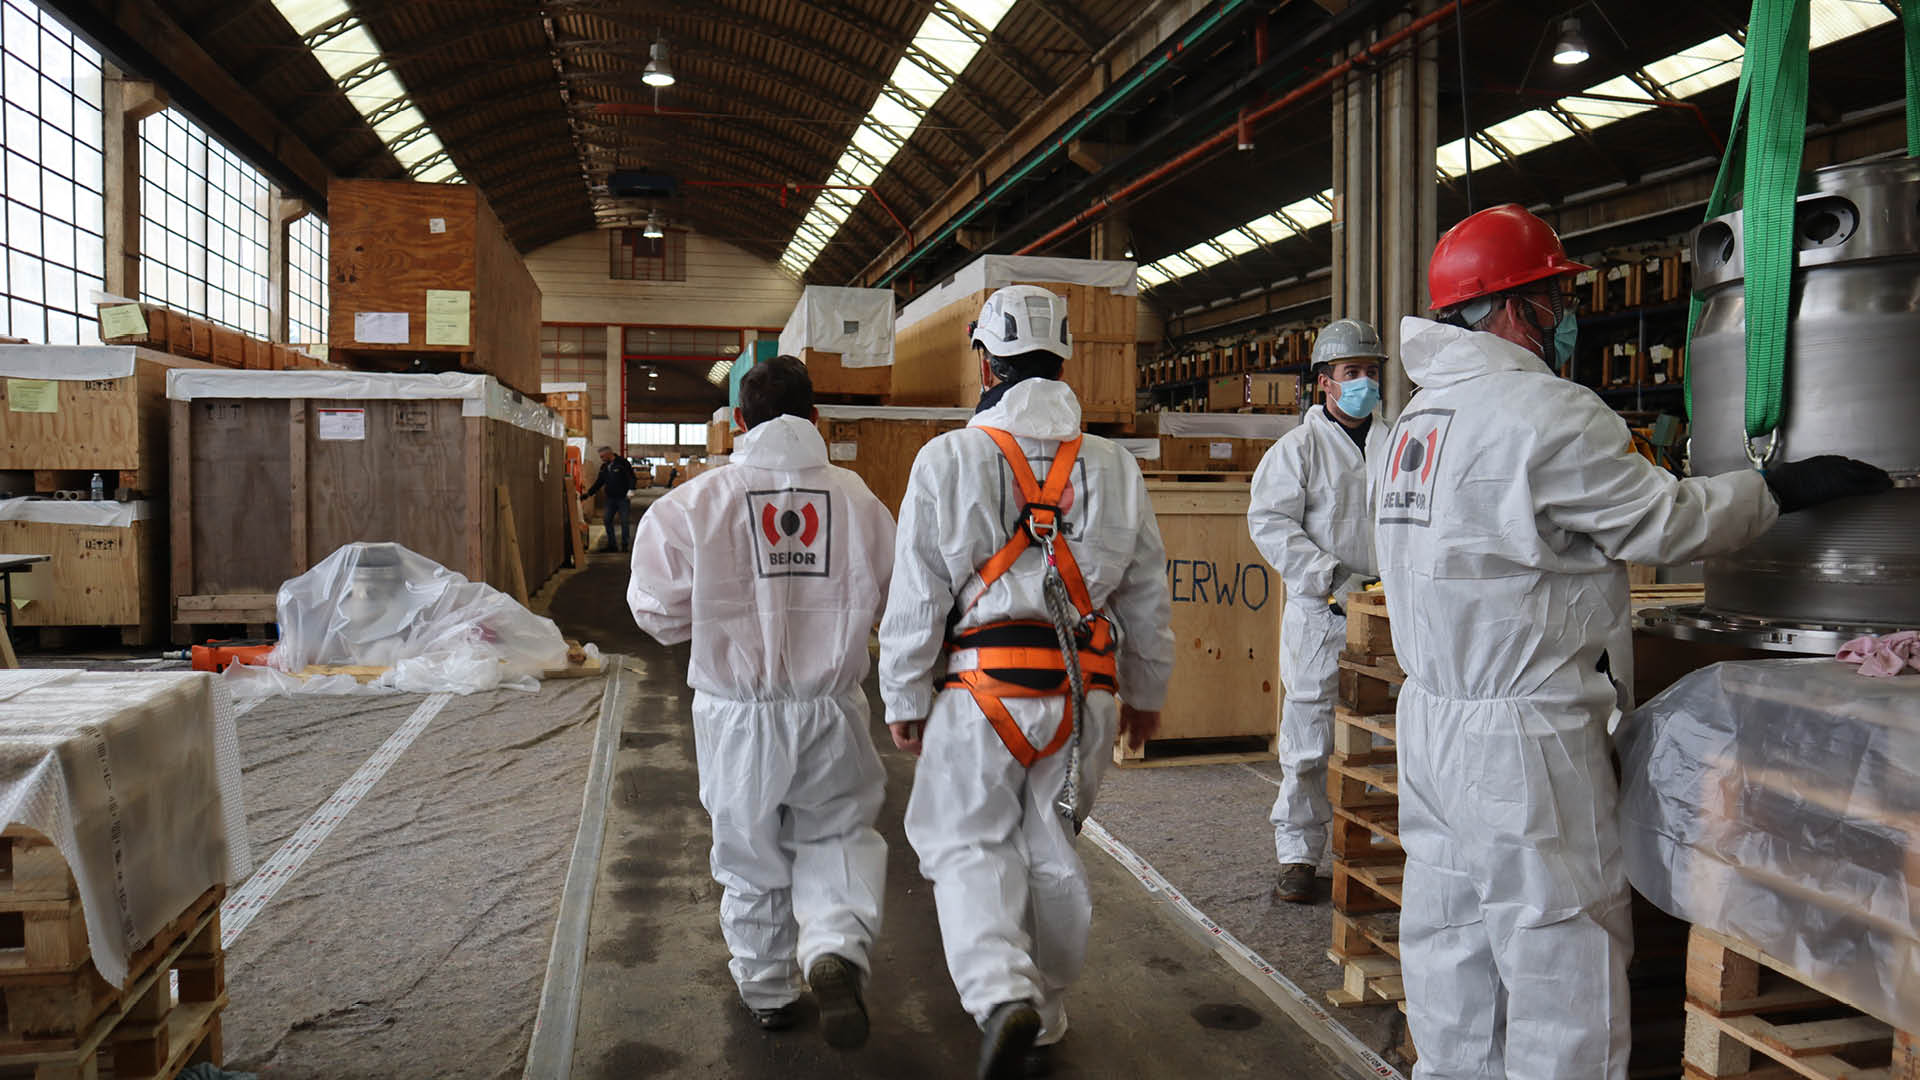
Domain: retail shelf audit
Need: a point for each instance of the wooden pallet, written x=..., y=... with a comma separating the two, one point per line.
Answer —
x=1367, y=950
x=1366, y=809
x=1211, y=751
x=1753, y=1017
x=1367, y=630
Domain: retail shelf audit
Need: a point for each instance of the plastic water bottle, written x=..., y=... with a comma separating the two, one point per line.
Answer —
x=99, y=488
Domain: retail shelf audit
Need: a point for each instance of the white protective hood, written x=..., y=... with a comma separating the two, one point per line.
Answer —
x=1438, y=354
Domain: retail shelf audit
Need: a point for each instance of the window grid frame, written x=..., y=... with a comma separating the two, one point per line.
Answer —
x=307, y=288
x=583, y=365
x=629, y=260
x=220, y=222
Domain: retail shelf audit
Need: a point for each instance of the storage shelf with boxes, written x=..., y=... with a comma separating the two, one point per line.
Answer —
x=272, y=471
x=424, y=279
x=845, y=338
x=934, y=362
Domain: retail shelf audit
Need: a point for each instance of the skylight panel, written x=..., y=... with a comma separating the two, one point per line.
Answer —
x=1831, y=20
x=1530, y=130
x=1700, y=68
x=1312, y=212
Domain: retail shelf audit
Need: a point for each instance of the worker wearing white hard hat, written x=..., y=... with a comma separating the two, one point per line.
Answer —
x=1016, y=533
x=776, y=567
x=1507, y=505
x=1310, y=518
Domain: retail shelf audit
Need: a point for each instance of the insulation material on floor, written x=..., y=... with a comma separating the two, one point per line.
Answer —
x=414, y=942
x=136, y=780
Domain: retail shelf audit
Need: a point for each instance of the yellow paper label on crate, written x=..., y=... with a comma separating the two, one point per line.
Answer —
x=122, y=320
x=33, y=395
x=449, y=315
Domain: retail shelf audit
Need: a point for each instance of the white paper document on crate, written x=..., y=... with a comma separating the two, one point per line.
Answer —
x=135, y=778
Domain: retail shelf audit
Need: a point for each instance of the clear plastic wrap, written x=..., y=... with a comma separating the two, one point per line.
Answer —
x=855, y=323
x=383, y=605
x=135, y=778
x=1778, y=802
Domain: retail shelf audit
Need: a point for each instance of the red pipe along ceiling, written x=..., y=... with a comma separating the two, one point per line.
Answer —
x=1228, y=136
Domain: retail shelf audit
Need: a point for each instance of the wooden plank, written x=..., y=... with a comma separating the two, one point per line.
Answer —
x=477, y=493
x=516, y=572
x=230, y=601
x=180, y=500
x=297, y=531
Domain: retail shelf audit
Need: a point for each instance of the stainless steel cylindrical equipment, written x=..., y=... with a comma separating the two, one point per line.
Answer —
x=1852, y=387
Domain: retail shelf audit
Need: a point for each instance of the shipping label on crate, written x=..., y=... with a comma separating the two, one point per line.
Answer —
x=412, y=417
x=843, y=451
x=341, y=425
x=1220, y=451
x=33, y=395
x=792, y=532
x=449, y=316
x=1232, y=585
x=380, y=327
x=122, y=320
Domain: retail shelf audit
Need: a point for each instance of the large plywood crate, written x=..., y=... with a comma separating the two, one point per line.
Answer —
x=273, y=471
x=570, y=400
x=845, y=338
x=934, y=361
x=1223, y=702
x=879, y=442
x=107, y=566
x=105, y=411
x=391, y=241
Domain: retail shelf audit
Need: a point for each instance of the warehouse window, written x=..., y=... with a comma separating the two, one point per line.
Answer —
x=666, y=434
x=576, y=354
x=636, y=257
x=307, y=280
x=682, y=343
x=52, y=253
x=203, y=226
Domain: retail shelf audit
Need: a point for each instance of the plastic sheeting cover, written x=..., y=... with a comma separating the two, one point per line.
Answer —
x=1226, y=425
x=994, y=271
x=71, y=363
x=894, y=412
x=383, y=605
x=479, y=395
x=1778, y=802
x=135, y=777
x=856, y=323
x=104, y=513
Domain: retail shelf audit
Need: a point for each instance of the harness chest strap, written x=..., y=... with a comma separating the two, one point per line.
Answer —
x=1019, y=659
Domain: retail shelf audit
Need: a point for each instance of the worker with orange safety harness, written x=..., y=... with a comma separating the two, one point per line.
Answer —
x=1029, y=594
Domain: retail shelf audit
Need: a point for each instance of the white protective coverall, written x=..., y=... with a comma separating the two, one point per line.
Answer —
x=1310, y=518
x=1506, y=501
x=776, y=566
x=1011, y=892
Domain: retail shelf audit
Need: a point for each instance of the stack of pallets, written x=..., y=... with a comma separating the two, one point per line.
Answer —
x=1751, y=1016
x=62, y=1021
x=1363, y=786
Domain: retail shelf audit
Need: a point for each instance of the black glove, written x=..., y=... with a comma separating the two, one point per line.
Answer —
x=1815, y=480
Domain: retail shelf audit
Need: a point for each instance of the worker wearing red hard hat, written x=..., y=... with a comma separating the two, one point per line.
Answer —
x=1506, y=508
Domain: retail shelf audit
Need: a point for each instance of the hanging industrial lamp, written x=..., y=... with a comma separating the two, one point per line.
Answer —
x=1572, y=47
x=653, y=231
x=658, y=71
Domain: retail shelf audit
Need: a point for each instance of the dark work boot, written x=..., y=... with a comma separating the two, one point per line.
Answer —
x=1005, y=1040
x=1295, y=885
x=835, y=982
x=779, y=1018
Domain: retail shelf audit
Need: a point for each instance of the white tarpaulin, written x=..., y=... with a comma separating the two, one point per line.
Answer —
x=856, y=323
x=71, y=363
x=990, y=272
x=895, y=412
x=104, y=512
x=479, y=395
x=383, y=605
x=1778, y=802
x=1182, y=425
x=135, y=777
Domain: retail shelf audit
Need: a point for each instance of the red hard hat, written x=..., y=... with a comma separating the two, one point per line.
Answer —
x=1499, y=248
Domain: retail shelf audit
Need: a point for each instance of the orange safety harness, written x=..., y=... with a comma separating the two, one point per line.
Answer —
x=1021, y=658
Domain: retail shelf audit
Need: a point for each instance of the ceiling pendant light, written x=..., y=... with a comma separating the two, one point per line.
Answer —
x=653, y=231
x=658, y=72
x=1572, y=47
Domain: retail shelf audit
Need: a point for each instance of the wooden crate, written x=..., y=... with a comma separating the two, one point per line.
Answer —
x=1227, y=393
x=1273, y=393
x=1185, y=455
x=228, y=348
x=879, y=443
x=661, y=474
x=1751, y=1016
x=261, y=492
x=1226, y=630
x=719, y=436
x=167, y=330
x=114, y=424
x=390, y=241
x=571, y=402
x=831, y=379
x=99, y=575
x=934, y=362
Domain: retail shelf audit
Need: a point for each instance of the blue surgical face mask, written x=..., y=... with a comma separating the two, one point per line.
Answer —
x=1565, y=333
x=1359, y=396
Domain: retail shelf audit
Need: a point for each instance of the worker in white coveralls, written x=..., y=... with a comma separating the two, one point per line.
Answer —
x=1310, y=518
x=1506, y=502
x=1016, y=531
x=776, y=566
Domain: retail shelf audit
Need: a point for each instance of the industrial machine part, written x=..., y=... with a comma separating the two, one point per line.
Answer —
x=1852, y=387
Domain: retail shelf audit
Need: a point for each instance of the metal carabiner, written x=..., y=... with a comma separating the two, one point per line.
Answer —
x=1762, y=458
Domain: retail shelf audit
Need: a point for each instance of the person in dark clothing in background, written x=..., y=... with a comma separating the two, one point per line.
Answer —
x=616, y=479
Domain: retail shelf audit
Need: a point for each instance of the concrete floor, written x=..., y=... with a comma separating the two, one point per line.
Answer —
x=1156, y=1000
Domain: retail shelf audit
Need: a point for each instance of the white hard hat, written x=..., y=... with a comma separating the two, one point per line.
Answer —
x=1346, y=339
x=1022, y=319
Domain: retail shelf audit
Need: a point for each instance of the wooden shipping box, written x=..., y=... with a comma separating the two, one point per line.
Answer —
x=390, y=241
x=265, y=487
x=1208, y=455
x=880, y=443
x=117, y=424
x=935, y=364
x=99, y=575
x=1273, y=391
x=832, y=379
x=575, y=410
x=719, y=436
x=1227, y=393
x=1226, y=615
